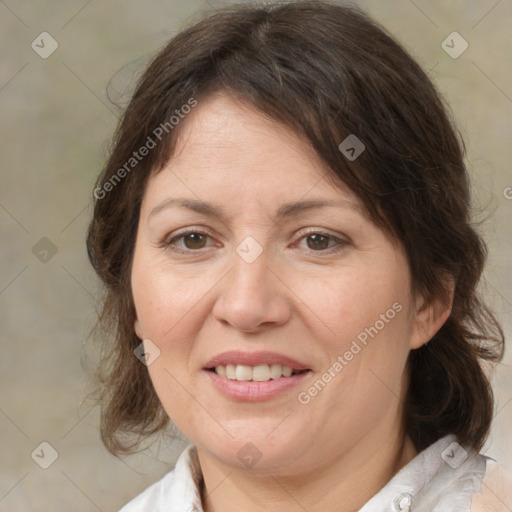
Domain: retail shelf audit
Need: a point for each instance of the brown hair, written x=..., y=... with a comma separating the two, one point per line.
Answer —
x=326, y=71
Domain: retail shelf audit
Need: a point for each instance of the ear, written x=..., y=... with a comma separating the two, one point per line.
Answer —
x=138, y=329
x=430, y=316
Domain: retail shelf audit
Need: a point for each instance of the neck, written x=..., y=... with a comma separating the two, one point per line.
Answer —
x=343, y=484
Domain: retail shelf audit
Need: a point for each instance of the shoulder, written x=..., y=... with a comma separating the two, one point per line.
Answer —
x=496, y=492
x=179, y=489
x=150, y=498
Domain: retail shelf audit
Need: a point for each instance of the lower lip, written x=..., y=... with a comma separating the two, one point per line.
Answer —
x=250, y=391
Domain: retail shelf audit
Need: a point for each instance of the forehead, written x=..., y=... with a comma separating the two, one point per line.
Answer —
x=230, y=131
x=229, y=148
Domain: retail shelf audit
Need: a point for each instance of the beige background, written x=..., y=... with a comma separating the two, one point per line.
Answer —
x=55, y=123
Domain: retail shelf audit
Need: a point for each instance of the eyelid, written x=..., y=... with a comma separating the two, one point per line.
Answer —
x=186, y=231
x=319, y=231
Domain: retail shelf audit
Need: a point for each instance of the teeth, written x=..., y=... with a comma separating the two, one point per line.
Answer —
x=276, y=370
x=230, y=371
x=261, y=373
x=258, y=373
x=287, y=371
x=243, y=372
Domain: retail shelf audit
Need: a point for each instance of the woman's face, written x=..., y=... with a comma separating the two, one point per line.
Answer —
x=247, y=256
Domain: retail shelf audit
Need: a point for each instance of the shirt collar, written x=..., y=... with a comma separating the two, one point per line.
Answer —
x=184, y=493
x=445, y=476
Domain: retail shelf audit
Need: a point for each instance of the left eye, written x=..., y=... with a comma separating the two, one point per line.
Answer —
x=320, y=241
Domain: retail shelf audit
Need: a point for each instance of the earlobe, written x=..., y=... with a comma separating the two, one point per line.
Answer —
x=430, y=317
x=138, y=329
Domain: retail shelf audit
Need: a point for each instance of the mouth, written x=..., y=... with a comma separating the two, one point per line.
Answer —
x=258, y=373
x=255, y=376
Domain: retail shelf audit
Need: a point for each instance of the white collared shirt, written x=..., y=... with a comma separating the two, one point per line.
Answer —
x=445, y=477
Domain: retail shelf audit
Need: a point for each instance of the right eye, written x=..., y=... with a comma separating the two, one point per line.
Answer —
x=189, y=241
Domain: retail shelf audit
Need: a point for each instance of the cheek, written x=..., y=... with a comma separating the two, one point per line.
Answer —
x=169, y=305
x=165, y=299
x=350, y=304
x=364, y=320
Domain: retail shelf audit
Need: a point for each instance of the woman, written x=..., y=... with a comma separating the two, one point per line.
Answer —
x=283, y=229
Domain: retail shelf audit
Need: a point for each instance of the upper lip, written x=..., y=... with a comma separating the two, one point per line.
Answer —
x=253, y=359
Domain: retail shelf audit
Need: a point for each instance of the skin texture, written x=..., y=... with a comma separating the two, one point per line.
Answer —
x=338, y=450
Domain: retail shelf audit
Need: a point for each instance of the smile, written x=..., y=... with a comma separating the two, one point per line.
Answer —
x=258, y=373
x=256, y=376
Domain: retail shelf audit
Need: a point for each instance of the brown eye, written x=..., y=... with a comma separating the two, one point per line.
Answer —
x=318, y=242
x=194, y=241
x=189, y=242
x=322, y=242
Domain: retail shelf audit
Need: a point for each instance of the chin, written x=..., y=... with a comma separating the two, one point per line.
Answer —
x=258, y=445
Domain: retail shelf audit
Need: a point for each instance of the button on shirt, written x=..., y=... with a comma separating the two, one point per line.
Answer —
x=444, y=477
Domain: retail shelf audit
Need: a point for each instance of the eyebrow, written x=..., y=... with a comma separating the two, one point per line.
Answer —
x=285, y=210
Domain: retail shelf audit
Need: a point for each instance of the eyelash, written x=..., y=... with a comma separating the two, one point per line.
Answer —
x=170, y=243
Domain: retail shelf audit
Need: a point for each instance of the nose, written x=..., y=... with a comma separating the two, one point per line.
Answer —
x=252, y=297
